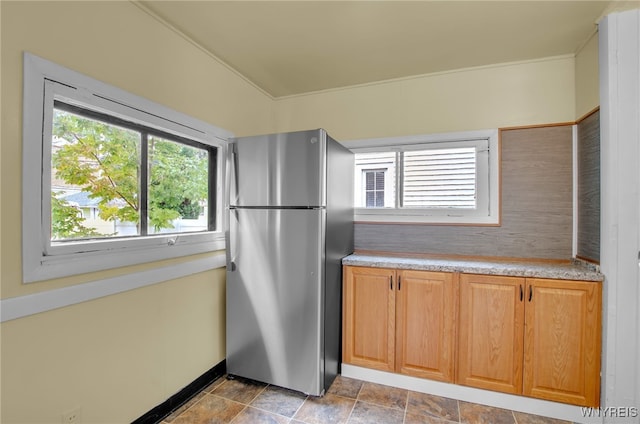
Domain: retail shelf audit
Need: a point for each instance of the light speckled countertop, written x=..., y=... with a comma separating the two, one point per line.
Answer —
x=575, y=270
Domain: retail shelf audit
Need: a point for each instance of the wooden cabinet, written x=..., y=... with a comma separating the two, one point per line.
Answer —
x=491, y=332
x=562, y=341
x=425, y=324
x=537, y=337
x=401, y=321
x=369, y=318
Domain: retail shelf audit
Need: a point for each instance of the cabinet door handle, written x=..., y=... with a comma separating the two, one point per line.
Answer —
x=521, y=293
x=391, y=282
x=399, y=283
x=530, y=293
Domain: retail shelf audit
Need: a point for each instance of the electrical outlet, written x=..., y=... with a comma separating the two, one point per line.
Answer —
x=72, y=417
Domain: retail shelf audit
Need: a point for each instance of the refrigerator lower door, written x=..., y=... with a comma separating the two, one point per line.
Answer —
x=275, y=297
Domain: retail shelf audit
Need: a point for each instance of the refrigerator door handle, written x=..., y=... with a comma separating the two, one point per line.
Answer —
x=231, y=254
x=234, y=177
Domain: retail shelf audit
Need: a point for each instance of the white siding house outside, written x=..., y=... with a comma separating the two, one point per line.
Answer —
x=431, y=178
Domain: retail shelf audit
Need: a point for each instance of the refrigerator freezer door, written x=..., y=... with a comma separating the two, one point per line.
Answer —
x=275, y=297
x=278, y=170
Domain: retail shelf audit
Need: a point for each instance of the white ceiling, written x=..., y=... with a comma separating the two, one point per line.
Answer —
x=294, y=47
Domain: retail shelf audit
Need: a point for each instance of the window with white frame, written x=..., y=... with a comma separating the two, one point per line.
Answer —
x=111, y=179
x=374, y=188
x=439, y=178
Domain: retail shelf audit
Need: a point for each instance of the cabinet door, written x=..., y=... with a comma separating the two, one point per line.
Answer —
x=562, y=341
x=425, y=324
x=491, y=332
x=369, y=317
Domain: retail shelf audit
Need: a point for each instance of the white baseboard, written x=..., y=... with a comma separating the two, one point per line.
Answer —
x=468, y=394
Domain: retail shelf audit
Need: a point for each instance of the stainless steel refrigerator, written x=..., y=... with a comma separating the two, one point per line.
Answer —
x=290, y=222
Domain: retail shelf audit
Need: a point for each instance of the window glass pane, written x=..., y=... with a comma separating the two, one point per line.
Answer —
x=379, y=198
x=375, y=188
x=379, y=180
x=178, y=187
x=95, y=178
x=371, y=199
x=369, y=179
x=439, y=178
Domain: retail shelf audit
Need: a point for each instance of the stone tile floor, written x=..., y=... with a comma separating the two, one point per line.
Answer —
x=348, y=401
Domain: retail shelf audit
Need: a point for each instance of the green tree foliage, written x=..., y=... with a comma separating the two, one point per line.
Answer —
x=67, y=222
x=104, y=160
x=177, y=181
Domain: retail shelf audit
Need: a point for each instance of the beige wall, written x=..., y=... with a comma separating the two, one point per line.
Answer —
x=587, y=78
x=116, y=357
x=537, y=92
x=121, y=355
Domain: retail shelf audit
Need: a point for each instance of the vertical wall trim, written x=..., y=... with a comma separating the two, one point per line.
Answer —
x=638, y=210
x=620, y=186
x=574, y=156
x=608, y=248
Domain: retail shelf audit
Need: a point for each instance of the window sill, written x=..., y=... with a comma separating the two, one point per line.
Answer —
x=372, y=218
x=50, y=267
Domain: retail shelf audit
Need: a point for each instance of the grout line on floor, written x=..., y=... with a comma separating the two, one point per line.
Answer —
x=299, y=408
x=258, y=394
x=406, y=408
x=351, y=412
x=238, y=414
x=275, y=413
